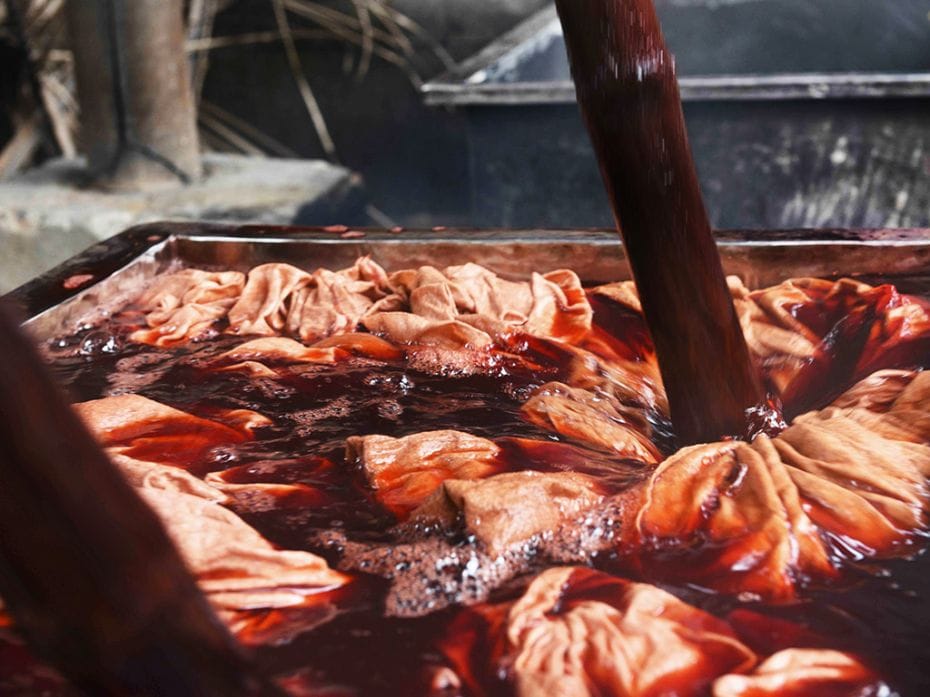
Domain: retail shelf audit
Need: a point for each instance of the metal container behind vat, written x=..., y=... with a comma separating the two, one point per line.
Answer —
x=802, y=113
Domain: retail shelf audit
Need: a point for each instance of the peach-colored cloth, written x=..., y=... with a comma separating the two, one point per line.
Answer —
x=579, y=633
x=576, y=632
x=764, y=510
x=470, y=306
x=276, y=348
x=337, y=301
x=636, y=384
x=266, y=356
x=282, y=299
x=409, y=328
x=148, y=430
x=267, y=300
x=364, y=345
x=234, y=565
x=625, y=293
x=460, y=306
x=591, y=418
x=406, y=471
x=795, y=328
x=183, y=305
x=788, y=326
x=802, y=673
x=258, y=356
x=511, y=509
x=153, y=476
x=779, y=341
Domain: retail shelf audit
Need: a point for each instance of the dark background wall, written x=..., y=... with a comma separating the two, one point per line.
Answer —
x=413, y=158
x=767, y=163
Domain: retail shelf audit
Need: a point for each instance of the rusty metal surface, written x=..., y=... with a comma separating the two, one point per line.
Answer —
x=137, y=110
x=120, y=266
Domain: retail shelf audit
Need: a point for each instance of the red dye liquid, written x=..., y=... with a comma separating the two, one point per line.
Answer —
x=879, y=611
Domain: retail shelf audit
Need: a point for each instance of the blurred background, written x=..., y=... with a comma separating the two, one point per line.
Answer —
x=422, y=113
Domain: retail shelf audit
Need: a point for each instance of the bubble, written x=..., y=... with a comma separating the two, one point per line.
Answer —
x=98, y=342
x=223, y=455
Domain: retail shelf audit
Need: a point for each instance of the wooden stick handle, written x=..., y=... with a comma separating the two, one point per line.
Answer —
x=86, y=569
x=626, y=85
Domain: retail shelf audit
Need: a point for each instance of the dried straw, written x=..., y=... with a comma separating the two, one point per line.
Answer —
x=46, y=115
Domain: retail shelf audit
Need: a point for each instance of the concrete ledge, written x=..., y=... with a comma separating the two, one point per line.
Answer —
x=49, y=214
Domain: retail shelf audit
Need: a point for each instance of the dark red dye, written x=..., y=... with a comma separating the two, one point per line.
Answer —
x=880, y=613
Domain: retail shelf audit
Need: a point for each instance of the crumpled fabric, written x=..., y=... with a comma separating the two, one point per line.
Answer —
x=633, y=382
x=801, y=673
x=758, y=519
x=147, y=476
x=266, y=357
x=470, y=306
x=282, y=299
x=471, y=289
x=185, y=304
x=234, y=565
x=807, y=334
x=508, y=510
x=404, y=472
x=595, y=419
x=148, y=430
x=337, y=301
x=846, y=481
x=267, y=299
x=409, y=328
x=576, y=632
x=802, y=323
x=464, y=306
x=259, y=357
x=280, y=349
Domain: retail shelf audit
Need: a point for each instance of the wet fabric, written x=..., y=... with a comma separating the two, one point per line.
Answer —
x=234, y=565
x=148, y=430
x=598, y=420
x=460, y=306
x=185, y=304
x=274, y=299
x=845, y=481
x=803, y=672
x=580, y=633
x=807, y=334
x=282, y=299
x=759, y=520
x=511, y=509
x=404, y=472
x=576, y=632
x=462, y=303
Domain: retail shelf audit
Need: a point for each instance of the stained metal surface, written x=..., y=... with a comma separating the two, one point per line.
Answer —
x=122, y=265
x=801, y=113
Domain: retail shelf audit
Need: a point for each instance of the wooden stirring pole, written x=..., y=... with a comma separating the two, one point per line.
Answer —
x=86, y=569
x=625, y=80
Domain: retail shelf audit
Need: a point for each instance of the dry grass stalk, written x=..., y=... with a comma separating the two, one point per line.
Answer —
x=303, y=86
x=50, y=119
